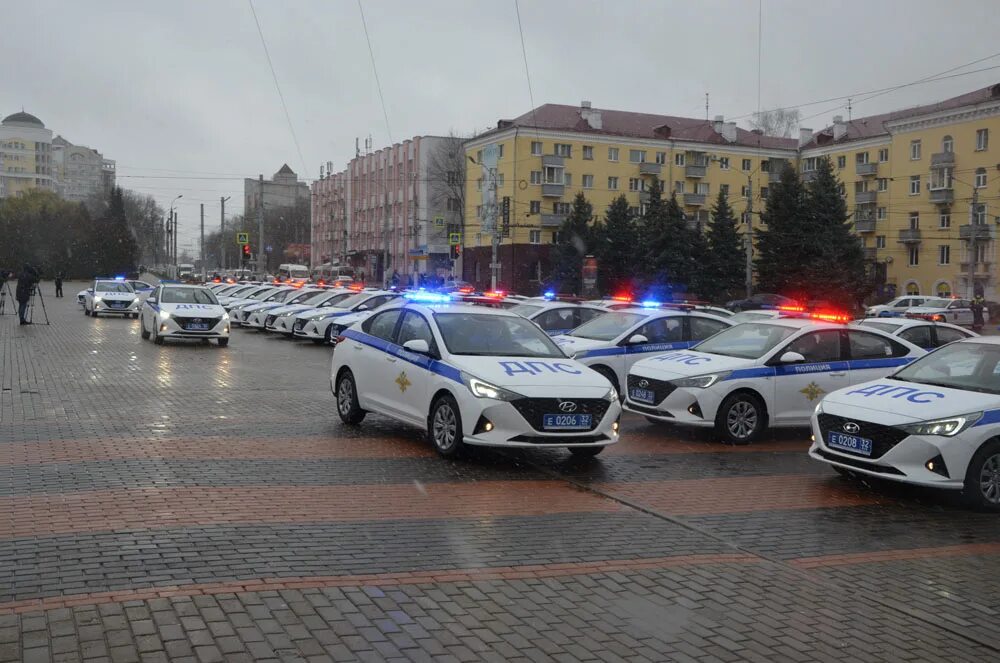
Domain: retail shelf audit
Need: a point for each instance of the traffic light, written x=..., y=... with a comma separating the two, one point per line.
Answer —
x=246, y=252
x=456, y=252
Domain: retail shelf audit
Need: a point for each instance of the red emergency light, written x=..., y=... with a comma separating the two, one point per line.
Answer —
x=830, y=316
x=495, y=294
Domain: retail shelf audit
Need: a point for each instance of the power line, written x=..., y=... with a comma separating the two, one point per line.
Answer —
x=378, y=83
x=527, y=72
x=274, y=75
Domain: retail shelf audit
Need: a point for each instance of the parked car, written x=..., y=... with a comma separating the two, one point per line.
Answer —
x=895, y=308
x=760, y=300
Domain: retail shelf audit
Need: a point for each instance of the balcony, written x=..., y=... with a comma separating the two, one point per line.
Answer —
x=553, y=160
x=982, y=269
x=808, y=175
x=981, y=231
x=864, y=197
x=909, y=235
x=942, y=159
x=942, y=196
x=865, y=169
x=650, y=168
x=644, y=196
x=695, y=170
x=552, y=220
x=553, y=190
x=694, y=199
x=871, y=253
x=864, y=225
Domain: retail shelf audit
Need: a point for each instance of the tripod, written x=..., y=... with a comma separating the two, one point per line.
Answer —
x=31, y=305
x=4, y=293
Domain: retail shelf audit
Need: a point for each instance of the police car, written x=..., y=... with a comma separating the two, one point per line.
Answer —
x=760, y=374
x=557, y=317
x=279, y=295
x=183, y=311
x=896, y=307
x=258, y=317
x=282, y=319
x=612, y=342
x=256, y=294
x=471, y=375
x=933, y=423
x=141, y=288
x=924, y=334
x=111, y=297
x=943, y=309
x=323, y=327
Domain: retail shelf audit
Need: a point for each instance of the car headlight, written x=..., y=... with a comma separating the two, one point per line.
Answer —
x=97, y=298
x=164, y=315
x=948, y=427
x=482, y=389
x=225, y=316
x=701, y=381
x=337, y=328
x=612, y=395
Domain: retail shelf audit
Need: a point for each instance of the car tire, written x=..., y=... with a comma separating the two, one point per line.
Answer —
x=347, y=400
x=157, y=339
x=328, y=335
x=612, y=378
x=223, y=342
x=142, y=330
x=585, y=452
x=740, y=418
x=444, y=427
x=982, y=478
x=86, y=312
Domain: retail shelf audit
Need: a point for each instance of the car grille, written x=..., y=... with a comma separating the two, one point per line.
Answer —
x=114, y=303
x=661, y=388
x=300, y=325
x=883, y=437
x=269, y=320
x=185, y=323
x=534, y=409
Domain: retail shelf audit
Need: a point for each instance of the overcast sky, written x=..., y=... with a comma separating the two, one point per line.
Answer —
x=183, y=87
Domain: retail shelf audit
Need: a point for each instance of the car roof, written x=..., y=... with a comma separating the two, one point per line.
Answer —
x=185, y=285
x=432, y=308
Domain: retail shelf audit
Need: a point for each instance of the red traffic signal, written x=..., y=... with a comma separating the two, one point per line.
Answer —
x=246, y=250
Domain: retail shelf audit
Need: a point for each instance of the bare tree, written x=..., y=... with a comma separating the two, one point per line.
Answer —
x=781, y=122
x=446, y=174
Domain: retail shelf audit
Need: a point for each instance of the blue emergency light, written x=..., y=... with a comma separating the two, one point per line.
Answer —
x=119, y=278
x=650, y=303
x=549, y=295
x=427, y=297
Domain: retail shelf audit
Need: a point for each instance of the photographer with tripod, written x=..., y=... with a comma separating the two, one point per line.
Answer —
x=26, y=282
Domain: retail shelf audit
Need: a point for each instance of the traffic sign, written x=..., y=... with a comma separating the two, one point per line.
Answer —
x=242, y=238
x=454, y=239
x=438, y=220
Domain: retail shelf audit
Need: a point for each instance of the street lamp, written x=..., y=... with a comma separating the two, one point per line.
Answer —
x=172, y=232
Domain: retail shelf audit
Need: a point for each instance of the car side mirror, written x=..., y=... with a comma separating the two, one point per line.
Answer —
x=151, y=300
x=792, y=358
x=637, y=339
x=363, y=307
x=417, y=345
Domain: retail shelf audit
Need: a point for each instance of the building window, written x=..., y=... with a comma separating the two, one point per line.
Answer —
x=808, y=165
x=763, y=192
x=536, y=148
x=980, y=178
x=500, y=180
x=914, y=150
x=765, y=166
x=567, y=178
x=982, y=139
x=944, y=290
x=679, y=187
x=637, y=156
x=633, y=211
x=661, y=157
x=636, y=184
x=940, y=178
x=561, y=208
x=880, y=241
x=745, y=218
x=883, y=155
x=979, y=216
x=745, y=165
x=842, y=161
x=883, y=184
x=724, y=189
x=555, y=236
x=944, y=220
x=588, y=152
x=944, y=255
x=479, y=211
x=914, y=220
x=554, y=175
x=613, y=183
x=535, y=237
x=500, y=151
x=947, y=145
x=703, y=189
x=612, y=154
x=745, y=191
x=912, y=288
x=861, y=158
x=914, y=256
x=914, y=185
x=563, y=150
x=535, y=207
x=479, y=184
x=588, y=181
x=724, y=163
x=454, y=205
x=679, y=159
x=536, y=177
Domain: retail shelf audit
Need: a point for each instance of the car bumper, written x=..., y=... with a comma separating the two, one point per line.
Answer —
x=103, y=308
x=686, y=407
x=511, y=430
x=281, y=326
x=309, y=331
x=170, y=329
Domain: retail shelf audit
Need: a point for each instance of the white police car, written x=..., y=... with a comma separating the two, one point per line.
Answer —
x=611, y=343
x=933, y=423
x=258, y=294
x=923, y=334
x=896, y=307
x=257, y=317
x=111, y=297
x=282, y=318
x=183, y=311
x=322, y=327
x=472, y=375
x=760, y=374
x=557, y=317
x=142, y=288
x=276, y=297
x=944, y=309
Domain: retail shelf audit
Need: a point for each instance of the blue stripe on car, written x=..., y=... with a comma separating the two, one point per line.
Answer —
x=432, y=365
x=635, y=349
x=819, y=367
x=989, y=417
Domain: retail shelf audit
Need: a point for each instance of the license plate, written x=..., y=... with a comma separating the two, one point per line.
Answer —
x=642, y=395
x=116, y=304
x=198, y=326
x=566, y=421
x=852, y=443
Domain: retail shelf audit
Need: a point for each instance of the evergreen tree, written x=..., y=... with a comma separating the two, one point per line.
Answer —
x=115, y=247
x=724, y=263
x=650, y=227
x=575, y=241
x=616, y=243
x=786, y=241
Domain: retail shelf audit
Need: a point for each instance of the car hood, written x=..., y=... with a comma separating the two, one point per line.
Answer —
x=572, y=345
x=194, y=310
x=685, y=363
x=289, y=308
x=893, y=402
x=116, y=296
x=518, y=373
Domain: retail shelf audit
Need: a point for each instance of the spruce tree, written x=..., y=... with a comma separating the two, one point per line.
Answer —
x=650, y=227
x=724, y=263
x=615, y=244
x=786, y=241
x=574, y=243
x=117, y=252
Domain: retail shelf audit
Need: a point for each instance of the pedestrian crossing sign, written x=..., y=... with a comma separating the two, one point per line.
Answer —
x=242, y=238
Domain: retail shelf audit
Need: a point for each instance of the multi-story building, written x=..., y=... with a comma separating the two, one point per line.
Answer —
x=283, y=190
x=80, y=172
x=909, y=177
x=391, y=210
x=25, y=155
x=553, y=152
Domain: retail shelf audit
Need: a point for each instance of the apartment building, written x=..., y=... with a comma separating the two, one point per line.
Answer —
x=80, y=172
x=25, y=155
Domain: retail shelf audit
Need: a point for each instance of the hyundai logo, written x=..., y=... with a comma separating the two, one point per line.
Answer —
x=852, y=428
x=643, y=384
x=567, y=406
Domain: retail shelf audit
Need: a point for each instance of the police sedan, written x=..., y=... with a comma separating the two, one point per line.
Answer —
x=761, y=374
x=944, y=309
x=557, y=317
x=321, y=327
x=183, y=311
x=282, y=319
x=927, y=335
x=611, y=343
x=470, y=375
x=275, y=297
x=257, y=293
x=111, y=297
x=933, y=423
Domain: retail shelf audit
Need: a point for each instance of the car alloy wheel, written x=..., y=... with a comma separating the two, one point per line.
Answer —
x=741, y=420
x=445, y=428
x=345, y=395
x=989, y=480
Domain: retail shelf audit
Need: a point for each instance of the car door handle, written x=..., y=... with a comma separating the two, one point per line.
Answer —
x=391, y=359
x=357, y=347
x=838, y=374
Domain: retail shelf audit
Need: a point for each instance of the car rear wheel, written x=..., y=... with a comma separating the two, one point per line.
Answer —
x=347, y=400
x=585, y=452
x=982, y=479
x=740, y=419
x=445, y=429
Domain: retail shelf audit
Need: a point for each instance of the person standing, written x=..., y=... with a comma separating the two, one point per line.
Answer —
x=978, y=304
x=59, y=283
x=25, y=286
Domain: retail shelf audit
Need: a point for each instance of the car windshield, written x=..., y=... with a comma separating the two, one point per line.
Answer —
x=608, y=326
x=188, y=296
x=113, y=286
x=353, y=300
x=525, y=309
x=965, y=365
x=240, y=290
x=494, y=336
x=887, y=327
x=750, y=340
x=299, y=273
x=334, y=299
x=310, y=298
x=283, y=296
x=937, y=303
x=747, y=316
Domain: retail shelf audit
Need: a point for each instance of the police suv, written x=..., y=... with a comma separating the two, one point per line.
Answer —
x=111, y=297
x=760, y=374
x=320, y=327
x=924, y=334
x=611, y=343
x=183, y=311
x=934, y=423
x=471, y=375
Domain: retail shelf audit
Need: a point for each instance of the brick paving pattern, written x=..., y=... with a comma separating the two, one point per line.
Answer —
x=194, y=503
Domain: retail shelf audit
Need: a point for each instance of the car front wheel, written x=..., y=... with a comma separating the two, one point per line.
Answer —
x=142, y=329
x=347, y=400
x=982, y=479
x=740, y=419
x=445, y=427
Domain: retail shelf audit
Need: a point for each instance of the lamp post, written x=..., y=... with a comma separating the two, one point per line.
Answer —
x=172, y=237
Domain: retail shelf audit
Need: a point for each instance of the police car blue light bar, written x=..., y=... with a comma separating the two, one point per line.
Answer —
x=427, y=297
x=650, y=303
x=549, y=294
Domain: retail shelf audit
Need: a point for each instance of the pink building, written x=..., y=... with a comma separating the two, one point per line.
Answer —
x=329, y=219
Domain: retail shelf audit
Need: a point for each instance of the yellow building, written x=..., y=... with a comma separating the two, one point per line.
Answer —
x=550, y=154
x=25, y=155
x=909, y=179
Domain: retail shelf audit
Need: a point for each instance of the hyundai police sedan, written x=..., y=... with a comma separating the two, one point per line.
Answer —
x=557, y=317
x=470, y=375
x=282, y=319
x=111, y=297
x=279, y=295
x=924, y=334
x=183, y=311
x=761, y=374
x=943, y=309
x=934, y=423
x=324, y=327
x=256, y=316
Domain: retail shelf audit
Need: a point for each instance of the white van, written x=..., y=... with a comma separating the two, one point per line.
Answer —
x=290, y=272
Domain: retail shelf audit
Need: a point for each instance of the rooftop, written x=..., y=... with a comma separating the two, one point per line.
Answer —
x=23, y=119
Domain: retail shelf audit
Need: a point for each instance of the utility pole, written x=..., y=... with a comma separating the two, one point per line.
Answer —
x=201, y=250
x=175, y=245
x=385, y=227
x=222, y=235
x=495, y=260
x=260, y=226
x=748, y=237
x=973, y=232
